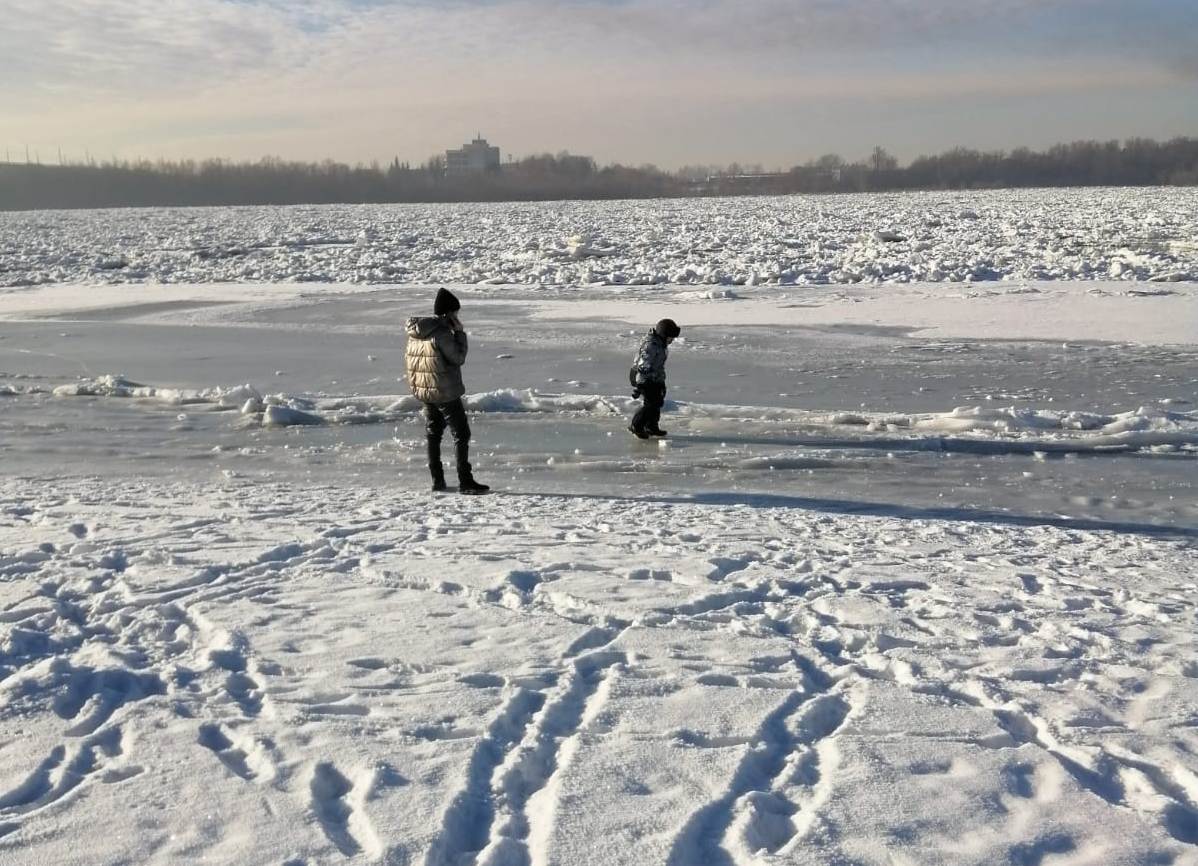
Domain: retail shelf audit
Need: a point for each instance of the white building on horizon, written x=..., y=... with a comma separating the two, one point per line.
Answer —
x=474, y=158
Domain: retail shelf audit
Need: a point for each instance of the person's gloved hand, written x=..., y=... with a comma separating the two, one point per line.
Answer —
x=636, y=393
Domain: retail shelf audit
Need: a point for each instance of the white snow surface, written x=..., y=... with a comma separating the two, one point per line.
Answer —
x=1096, y=310
x=270, y=673
x=912, y=581
x=1063, y=310
x=1119, y=234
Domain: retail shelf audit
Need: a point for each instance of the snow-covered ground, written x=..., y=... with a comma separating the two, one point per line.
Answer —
x=912, y=581
x=1124, y=234
x=271, y=672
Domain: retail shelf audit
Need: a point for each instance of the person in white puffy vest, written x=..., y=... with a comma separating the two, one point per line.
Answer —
x=434, y=356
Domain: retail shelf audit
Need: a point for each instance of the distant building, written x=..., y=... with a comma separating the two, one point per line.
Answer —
x=473, y=158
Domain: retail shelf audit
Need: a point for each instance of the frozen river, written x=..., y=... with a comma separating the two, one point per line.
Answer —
x=911, y=581
x=863, y=416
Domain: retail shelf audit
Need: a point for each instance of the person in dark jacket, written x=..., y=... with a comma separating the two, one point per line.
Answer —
x=434, y=357
x=649, y=378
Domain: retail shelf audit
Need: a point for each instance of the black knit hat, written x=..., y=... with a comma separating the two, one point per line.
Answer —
x=445, y=302
x=667, y=328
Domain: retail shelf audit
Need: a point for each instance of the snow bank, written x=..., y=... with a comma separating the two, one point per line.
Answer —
x=1012, y=428
x=1144, y=427
x=278, y=410
x=118, y=385
x=708, y=295
x=529, y=400
x=104, y=386
x=284, y=410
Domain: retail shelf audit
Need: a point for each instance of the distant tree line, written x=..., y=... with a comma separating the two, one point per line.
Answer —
x=1135, y=162
x=28, y=186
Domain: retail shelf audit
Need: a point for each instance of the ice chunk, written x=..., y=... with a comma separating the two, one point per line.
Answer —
x=285, y=416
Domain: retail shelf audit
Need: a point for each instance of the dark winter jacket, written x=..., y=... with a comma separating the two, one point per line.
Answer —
x=651, y=360
x=433, y=360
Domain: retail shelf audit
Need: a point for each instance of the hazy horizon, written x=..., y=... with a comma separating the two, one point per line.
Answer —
x=633, y=81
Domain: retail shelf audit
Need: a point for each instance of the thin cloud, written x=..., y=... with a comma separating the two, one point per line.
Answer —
x=136, y=45
x=114, y=46
x=240, y=77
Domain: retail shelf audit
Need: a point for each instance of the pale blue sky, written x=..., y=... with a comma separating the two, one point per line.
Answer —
x=666, y=81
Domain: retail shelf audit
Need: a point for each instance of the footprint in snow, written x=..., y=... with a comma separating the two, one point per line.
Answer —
x=369, y=663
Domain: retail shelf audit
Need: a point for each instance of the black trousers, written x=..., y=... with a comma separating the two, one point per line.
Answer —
x=437, y=417
x=649, y=415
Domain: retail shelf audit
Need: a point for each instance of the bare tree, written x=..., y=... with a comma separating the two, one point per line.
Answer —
x=881, y=160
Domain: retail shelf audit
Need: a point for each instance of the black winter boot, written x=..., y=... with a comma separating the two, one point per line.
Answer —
x=466, y=482
x=434, y=465
x=472, y=488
